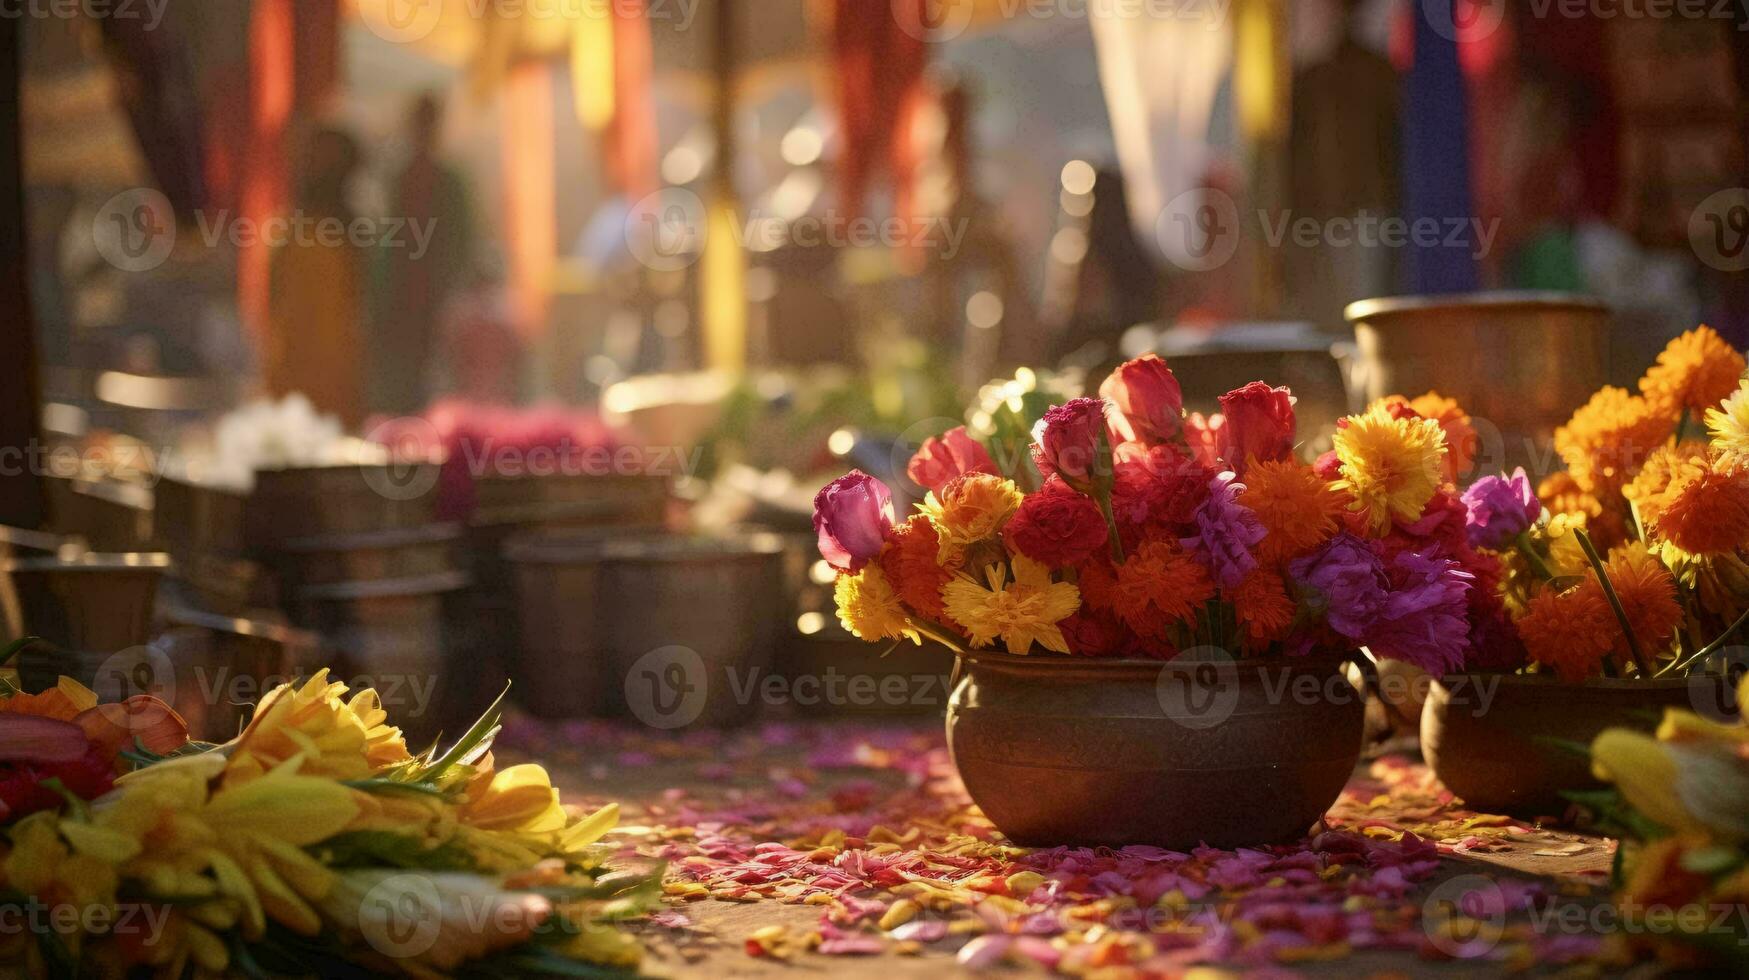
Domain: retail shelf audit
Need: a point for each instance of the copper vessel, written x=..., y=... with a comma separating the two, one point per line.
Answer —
x=1111, y=752
x=1505, y=743
x=1518, y=362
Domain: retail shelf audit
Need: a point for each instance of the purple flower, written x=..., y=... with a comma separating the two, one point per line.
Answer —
x=1425, y=618
x=1500, y=508
x=1226, y=531
x=852, y=516
x=1347, y=581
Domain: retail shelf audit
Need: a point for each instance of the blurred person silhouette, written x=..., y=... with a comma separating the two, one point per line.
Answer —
x=413, y=285
x=314, y=343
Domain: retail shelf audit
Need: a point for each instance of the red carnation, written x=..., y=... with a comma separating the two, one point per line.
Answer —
x=1163, y=487
x=1057, y=526
x=1091, y=633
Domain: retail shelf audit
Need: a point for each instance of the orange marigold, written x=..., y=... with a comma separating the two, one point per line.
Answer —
x=1654, y=477
x=1647, y=592
x=1263, y=606
x=1460, y=436
x=1694, y=372
x=1298, y=508
x=1608, y=438
x=912, y=566
x=969, y=509
x=1160, y=584
x=1704, y=510
x=1570, y=632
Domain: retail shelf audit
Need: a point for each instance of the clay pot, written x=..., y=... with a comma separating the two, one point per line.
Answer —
x=1090, y=752
x=1503, y=743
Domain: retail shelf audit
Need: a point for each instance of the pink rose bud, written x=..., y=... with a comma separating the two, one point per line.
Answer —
x=852, y=516
x=954, y=453
x=1071, y=442
x=1259, y=425
x=1149, y=403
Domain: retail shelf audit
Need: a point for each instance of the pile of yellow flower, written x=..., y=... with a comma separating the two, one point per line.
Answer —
x=314, y=843
x=1681, y=800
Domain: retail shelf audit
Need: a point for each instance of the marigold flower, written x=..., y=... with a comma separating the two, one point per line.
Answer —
x=1609, y=437
x=913, y=567
x=1390, y=466
x=1728, y=424
x=969, y=509
x=1704, y=510
x=1647, y=592
x=1695, y=371
x=1022, y=612
x=1159, y=585
x=1297, y=508
x=1262, y=604
x=1570, y=632
x=1461, y=441
x=1566, y=555
x=870, y=609
x=1649, y=484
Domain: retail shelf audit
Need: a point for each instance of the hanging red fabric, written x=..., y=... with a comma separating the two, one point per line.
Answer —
x=879, y=72
x=631, y=136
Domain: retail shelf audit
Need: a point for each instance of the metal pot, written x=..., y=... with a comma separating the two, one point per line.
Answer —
x=412, y=552
x=300, y=502
x=672, y=631
x=191, y=518
x=98, y=603
x=618, y=498
x=1504, y=742
x=1111, y=752
x=1519, y=363
x=218, y=668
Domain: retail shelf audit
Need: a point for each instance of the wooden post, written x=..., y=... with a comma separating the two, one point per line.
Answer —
x=21, y=490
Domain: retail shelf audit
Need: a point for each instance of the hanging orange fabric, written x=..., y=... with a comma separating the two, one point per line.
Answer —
x=879, y=70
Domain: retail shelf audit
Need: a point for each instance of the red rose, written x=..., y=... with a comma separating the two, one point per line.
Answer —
x=953, y=453
x=1150, y=404
x=1259, y=425
x=1056, y=526
x=1071, y=442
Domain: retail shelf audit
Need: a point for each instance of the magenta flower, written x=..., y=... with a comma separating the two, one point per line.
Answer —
x=1425, y=618
x=1348, y=584
x=1070, y=441
x=1500, y=509
x=852, y=516
x=1226, y=531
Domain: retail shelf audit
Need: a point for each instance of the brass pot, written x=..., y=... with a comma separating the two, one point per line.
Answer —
x=91, y=602
x=410, y=552
x=299, y=502
x=1083, y=752
x=220, y=667
x=1518, y=362
x=1505, y=743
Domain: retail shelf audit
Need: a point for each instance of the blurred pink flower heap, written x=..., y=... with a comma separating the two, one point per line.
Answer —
x=1154, y=532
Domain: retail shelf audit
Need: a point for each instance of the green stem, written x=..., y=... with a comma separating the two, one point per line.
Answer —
x=1103, y=499
x=1621, y=614
x=1709, y=649
x=1538, y=564
x=1681, y=424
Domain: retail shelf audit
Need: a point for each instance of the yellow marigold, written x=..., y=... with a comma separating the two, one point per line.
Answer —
x=1566, y=557
x=338, y=738
x=870, y=609
x=1704, y=510
x=1160, y=584
x=1022, y=612
x=969, y=509
x=1560, y=493
x=1728, y=425
x=1647, y=592
x=1608, y=438
x=1263, y=606
x=1390, y=466
x=1694, y=372
x=1296, y=507
x=1570, y=632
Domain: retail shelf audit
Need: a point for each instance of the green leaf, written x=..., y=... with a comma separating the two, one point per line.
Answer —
x=16, y=647
x=1712, y=861
x=383, y=848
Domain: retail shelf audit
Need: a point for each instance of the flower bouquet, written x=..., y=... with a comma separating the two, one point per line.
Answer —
x=313, y=844
x=1200, y=587
x=1620, y=580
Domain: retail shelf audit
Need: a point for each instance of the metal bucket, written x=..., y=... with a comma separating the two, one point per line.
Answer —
x=217, y=668
x=404, y=553
x=216, y=584
x=198, y=518
x=90, y=604
x=301, y=502
x=1519, y=363
x=111, y=515
x=619, y=499
x=672, y=631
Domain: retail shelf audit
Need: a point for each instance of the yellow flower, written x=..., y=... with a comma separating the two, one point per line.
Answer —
x=1728, y=425
x=337, y=738
x=42, y=866
x=970, y=508
x=1390, y=466
x=1566, y=556
x=1020, y=612
x=1683, y=787
x=1609, y=437
x=1694, y=372
x=870, y=609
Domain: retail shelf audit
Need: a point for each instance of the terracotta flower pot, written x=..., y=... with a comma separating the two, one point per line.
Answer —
x=1503, y=742
x=1100, y=752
